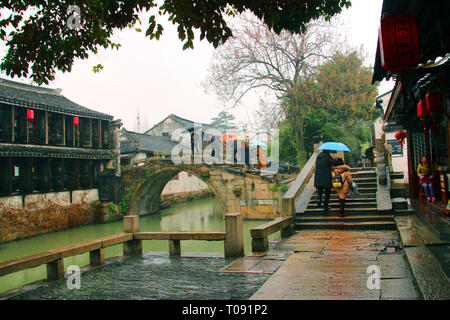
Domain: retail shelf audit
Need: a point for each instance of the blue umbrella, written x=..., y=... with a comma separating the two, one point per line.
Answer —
x=335, y=146
x=261, y=144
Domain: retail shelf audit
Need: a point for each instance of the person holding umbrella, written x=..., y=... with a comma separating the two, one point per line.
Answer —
x=322, y=177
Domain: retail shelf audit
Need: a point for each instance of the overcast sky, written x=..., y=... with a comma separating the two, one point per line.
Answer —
x=159, y=78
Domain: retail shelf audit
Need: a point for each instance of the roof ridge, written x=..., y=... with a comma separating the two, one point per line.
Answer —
x=29, y=87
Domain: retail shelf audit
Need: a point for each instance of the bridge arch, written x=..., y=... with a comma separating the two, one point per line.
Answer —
x=147, y=194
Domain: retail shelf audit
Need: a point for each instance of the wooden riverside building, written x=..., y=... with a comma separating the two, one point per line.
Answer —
x=49, y=143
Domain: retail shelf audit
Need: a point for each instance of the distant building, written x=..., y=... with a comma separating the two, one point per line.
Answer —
x=172, y=122
x=49, y=143
x=58, y=161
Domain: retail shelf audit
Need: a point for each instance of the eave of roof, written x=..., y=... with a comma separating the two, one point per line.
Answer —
x=40, y=98
x=27, y=150
x=433, y=27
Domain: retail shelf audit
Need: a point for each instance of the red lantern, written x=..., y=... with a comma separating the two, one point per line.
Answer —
x=422, y=111
x=399, y=42
x=434, y=102
x=30, y=114
x=75, y=121
x=400, y=136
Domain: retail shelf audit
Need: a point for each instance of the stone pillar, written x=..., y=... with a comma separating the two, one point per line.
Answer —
x=260, y=244
x=55, y=270
x=174, y=248
x=234, y=243
x=97, y=257
x=115, y=128
x=131, y=225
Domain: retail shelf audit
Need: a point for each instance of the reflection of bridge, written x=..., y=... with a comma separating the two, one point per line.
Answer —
x=237, y=188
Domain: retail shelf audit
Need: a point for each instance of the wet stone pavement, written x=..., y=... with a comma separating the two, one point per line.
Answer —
x=156, y=276
x=333, y=265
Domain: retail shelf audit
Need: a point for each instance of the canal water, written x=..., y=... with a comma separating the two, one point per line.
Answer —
x=198, y=215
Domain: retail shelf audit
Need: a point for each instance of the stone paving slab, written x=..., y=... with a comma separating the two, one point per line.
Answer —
x=267, y=266
x=309, y=248
x=277, y=286
x=433, y=283
x=398, y=289
x=333, y=264
x=392, y=266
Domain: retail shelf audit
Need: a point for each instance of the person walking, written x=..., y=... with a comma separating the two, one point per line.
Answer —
x=342, y=170
x=322, y=178
x=369, y=154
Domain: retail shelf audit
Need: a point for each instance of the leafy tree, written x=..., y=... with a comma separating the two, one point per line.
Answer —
x=42, y=40
x=342, y=103
x=257, y=58
x=224, y=120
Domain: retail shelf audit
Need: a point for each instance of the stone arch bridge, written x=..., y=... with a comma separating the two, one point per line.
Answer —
x=237, y=189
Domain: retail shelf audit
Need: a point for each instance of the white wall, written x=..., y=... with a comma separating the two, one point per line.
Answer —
x=184, y=183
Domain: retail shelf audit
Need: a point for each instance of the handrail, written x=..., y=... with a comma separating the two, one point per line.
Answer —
x=292, y=194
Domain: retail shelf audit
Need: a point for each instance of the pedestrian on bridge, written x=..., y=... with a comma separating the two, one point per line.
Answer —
x=343, y=170
x=322, y=178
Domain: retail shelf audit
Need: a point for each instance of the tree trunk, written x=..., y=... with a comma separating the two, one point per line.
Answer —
x=298, y=129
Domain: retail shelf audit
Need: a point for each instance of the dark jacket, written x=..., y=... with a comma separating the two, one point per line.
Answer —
x=322, y=178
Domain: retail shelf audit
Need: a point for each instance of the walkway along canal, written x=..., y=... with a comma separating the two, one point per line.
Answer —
x=199, y=215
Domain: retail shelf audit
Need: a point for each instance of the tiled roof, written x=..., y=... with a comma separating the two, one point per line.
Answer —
x=30, y=96
x=184, y=122
x=145, y=143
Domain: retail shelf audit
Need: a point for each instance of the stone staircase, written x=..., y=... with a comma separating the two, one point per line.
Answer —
x=360, y=211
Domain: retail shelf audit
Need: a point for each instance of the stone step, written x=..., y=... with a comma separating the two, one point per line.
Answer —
x=404, y=212
x=335, y=211
x=362, y=196
x=348, y=204
x=366, y=184
x=354, y=218
x=363, y=169
x=377, y=225
x=362, y=190
x=399, y=204
x=347, y=201
x=363, y=180
x=364, y=174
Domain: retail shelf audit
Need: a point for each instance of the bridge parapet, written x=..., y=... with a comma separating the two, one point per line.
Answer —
x=297, y=187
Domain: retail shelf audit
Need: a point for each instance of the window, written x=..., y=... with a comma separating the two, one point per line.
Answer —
x=5, y=123
x=20, y=125
x=95, y=134
x=105, y=134
x=55, y=129
x=165, y=134
x=57, y=174
x=85, y=132
x=69, y=127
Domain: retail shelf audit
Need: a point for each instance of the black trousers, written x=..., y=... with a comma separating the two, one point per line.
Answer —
x=341, y=206
x=320, y=191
